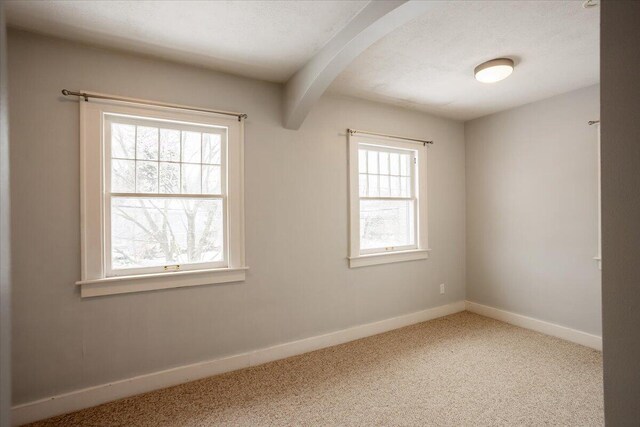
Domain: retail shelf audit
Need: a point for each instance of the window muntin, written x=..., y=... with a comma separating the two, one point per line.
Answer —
x=165, y=196
x=388, y=199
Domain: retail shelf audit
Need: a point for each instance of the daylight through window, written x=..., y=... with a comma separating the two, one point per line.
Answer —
x=387, y=199
x=162, y=197
x=388, y=215
x=166, y=195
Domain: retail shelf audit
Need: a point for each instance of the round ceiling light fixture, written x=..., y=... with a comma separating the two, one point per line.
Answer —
x=494, y=70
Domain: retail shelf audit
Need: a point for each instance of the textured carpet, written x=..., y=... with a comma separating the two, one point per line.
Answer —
x=459, y=370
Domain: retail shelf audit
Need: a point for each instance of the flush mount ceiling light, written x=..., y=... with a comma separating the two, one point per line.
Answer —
x=494, y=70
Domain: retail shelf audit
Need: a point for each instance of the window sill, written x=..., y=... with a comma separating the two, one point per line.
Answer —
x=152, y=282
x=387, y=258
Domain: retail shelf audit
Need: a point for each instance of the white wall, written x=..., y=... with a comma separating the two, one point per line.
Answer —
x=299, y=284
x=532, y=210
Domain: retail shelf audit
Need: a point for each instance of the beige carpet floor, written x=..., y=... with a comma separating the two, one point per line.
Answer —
x=459, y=370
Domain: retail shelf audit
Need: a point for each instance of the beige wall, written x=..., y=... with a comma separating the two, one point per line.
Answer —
x=620, y=45
x=299, y=284
x=532, y=210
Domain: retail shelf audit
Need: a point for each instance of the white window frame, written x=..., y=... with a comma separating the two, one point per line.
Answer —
x=139, y=121
x=97, y=278
x=420, y=249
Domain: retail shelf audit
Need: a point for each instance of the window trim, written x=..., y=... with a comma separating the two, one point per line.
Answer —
x=94, y=280
x=420, y=250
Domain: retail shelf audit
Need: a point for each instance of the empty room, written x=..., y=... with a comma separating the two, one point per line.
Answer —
x=320, y=213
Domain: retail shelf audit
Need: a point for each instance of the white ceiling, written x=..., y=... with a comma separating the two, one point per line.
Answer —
x=428, y=63
x=267, y=40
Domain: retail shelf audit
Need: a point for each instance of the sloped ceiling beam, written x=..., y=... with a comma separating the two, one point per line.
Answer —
x=374, y=21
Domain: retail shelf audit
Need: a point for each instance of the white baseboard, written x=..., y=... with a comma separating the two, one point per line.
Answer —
x=541, y=326
x=92, y=396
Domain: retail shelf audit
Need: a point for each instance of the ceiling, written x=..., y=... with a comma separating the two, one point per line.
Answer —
x=426, y=64
x=267, y=40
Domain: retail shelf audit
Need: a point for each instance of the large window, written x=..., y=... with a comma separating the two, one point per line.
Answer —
x=169, y=198
x=165, y=196
x=388, y=200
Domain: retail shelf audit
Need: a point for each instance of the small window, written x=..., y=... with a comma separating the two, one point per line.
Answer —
x=168, y=202
x=388, y=200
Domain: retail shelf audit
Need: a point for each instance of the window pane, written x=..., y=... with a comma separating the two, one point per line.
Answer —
x=363, y=185
x=123, y=176
x=383, y=158
x=191, y=179
x=405, y=165
x=148, y=232
x=385, y=190
x=146, y=177
x=191, y=147
x=405, y=187
x=362, y=161
x=394, y=159
x=395, y=187
x=170, y=145
x=211, y=146
x=169, y=178
x=123, y=141
x=372, y=161
x=386, y=223
x=373, y=190
x=211, y=183
x=147, y=143
x=384, y=169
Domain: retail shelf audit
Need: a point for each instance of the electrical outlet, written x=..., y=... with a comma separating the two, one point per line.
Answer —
x=441, y=288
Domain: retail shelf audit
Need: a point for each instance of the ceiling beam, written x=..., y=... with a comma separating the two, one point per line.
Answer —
x=374, y=21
